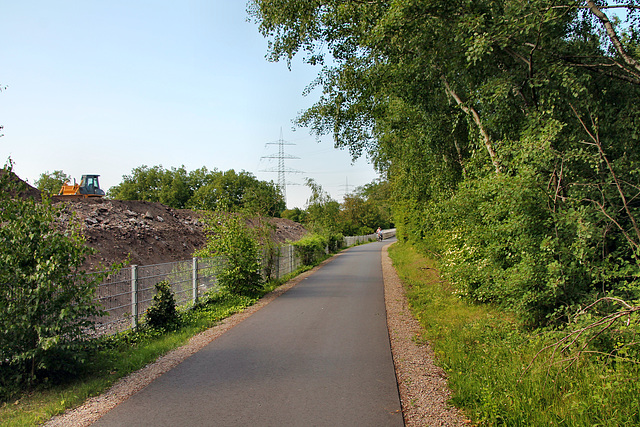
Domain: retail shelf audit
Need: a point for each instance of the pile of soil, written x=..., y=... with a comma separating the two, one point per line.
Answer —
x=18, y=187
x=143, y=232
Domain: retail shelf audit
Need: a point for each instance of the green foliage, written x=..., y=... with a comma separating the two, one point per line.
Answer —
x=201, y=189
x=155, y=184
x=46, y=300
x=295, y=214
x=365, y=210
x=163, y=313
x=322, y=211
x=501, y=374
x=361, y=213
x=229, y=236
x=315, y=247
x=509, y=143
x=311, y=248
x=51, y=183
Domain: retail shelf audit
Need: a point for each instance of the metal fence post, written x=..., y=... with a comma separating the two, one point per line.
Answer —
x=195, y=279
x=134, y=296
x=291, y=259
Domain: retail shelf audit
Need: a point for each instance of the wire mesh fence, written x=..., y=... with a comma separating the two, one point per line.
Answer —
x=125, y=295
x=128, y=293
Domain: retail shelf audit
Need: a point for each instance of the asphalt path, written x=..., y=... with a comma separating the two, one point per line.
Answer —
x=319, y=355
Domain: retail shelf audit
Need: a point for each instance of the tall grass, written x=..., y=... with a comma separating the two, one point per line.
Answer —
x=495, y=370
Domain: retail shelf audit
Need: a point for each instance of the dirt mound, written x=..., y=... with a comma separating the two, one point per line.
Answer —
x=143, y=232
x=21, y=188
x=149, y=233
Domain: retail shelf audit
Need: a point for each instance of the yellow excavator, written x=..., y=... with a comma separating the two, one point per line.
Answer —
x=88, y=188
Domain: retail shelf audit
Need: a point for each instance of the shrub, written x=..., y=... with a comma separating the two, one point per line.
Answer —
x=46, y=300
x=335, y=241
x=230, y=237
x=311, y=248
x=163, y=313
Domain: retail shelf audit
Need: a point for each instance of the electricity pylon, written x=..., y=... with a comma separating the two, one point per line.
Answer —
x=347, y=187
x=282, y=170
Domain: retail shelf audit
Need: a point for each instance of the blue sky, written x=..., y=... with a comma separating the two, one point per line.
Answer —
x=103, y=87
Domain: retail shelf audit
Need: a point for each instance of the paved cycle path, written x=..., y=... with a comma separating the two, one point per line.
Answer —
x=318, y=355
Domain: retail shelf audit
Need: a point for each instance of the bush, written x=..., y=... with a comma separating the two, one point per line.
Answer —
x=310, y=248
x=46, y=300
x=335, y=241
x=230, y=237
x=502, y=374
x=163, y=313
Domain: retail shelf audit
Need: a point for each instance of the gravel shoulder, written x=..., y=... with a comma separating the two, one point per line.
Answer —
x=422, y=385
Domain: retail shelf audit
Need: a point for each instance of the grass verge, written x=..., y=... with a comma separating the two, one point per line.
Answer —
x=495, y=370
x=119, y=355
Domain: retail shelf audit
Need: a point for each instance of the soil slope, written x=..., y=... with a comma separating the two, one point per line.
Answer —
x=149, y=233
x=143, y=232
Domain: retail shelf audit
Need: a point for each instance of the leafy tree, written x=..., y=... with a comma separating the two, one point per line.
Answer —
x=155, y=184
x=46, y=299
x=295, y=214
x=52, y=182
x=322, y=210
x=359, y=216
x=242, y=191
x=264, y=198
x=366, y=209
x=201, y=189
x=507, y=129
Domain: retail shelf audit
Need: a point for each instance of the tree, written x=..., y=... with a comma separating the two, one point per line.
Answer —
x=237, y=192
x=51, y=183
x=156, y=184
x=295, y=214
x=201, y=189
x=322, y=210
x=366, y=209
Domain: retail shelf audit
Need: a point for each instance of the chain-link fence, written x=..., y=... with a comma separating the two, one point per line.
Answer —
x=128, y=293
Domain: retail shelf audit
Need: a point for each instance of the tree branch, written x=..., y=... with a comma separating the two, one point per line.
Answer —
x=613, y=36
x=604, y=323
x=476, y=118
x=596, y=141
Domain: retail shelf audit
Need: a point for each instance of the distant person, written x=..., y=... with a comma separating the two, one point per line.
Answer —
x=379, y=234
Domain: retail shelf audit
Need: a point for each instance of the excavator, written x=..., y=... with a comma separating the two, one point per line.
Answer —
x=88, y=188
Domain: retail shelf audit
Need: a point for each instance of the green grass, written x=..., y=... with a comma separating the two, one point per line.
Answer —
x=122, y=354
x=488, y=358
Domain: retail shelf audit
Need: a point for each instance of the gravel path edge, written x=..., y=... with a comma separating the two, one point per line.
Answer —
x=424, y=393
